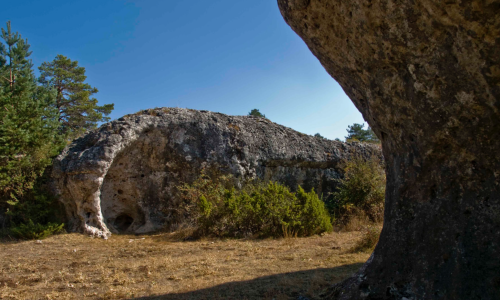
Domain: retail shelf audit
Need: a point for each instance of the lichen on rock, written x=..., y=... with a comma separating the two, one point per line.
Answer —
x=123, y=176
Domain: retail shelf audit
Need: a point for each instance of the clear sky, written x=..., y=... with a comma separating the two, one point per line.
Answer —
x=228, y=56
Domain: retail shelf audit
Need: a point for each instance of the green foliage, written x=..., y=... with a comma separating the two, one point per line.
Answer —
x=361, y=191
x=35, y=123
x=256, y=209
x=29, y=138
x=38, y=214
x=355, y=132
x=319, y=136
x=37, y=205
x=256, y=113
x=35, y=231
x=28, y=126
x=78, y=111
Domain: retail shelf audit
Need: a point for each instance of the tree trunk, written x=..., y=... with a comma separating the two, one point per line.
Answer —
x=426, y=76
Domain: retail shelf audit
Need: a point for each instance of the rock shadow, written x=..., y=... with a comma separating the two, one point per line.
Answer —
x=294, y=285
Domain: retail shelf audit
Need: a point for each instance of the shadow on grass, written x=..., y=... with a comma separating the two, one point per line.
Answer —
x=296, y=285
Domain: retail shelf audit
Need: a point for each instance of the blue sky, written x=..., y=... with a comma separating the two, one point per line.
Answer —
x=226, y=56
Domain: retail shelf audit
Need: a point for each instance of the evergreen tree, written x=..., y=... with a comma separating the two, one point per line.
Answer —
x=256, y=113
x=319, y=136
x=78, y=111
x=355, y=132
x=28, y=126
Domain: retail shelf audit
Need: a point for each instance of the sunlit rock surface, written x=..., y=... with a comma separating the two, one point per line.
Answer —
x=123, y=176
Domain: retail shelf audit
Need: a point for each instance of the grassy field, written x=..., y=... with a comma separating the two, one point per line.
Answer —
x=74, y=266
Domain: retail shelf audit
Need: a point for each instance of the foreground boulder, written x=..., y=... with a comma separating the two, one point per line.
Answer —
x=426, y=76
x=123, y=176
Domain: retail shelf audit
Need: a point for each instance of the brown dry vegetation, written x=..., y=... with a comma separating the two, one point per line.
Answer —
x=74, y=266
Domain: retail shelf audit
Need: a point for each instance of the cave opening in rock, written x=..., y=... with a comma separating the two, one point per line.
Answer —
x=134, y=185
x=123, y=222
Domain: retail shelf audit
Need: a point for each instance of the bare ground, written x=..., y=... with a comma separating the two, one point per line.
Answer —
x=74, y=266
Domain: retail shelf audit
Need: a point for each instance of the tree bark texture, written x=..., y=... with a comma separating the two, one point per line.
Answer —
x=426, y=76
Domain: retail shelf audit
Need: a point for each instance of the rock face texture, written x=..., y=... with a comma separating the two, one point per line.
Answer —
x=123, y=176
x=426, y=76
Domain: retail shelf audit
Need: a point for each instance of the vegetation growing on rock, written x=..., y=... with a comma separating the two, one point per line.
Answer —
x=256, y=113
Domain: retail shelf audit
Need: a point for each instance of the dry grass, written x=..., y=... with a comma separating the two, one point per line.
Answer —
x=234, y=127
x=73, y=266
x=368, y=241
x=357, y=222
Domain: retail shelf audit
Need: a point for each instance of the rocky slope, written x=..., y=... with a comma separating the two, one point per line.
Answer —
x=123, y=176
x=425, y=75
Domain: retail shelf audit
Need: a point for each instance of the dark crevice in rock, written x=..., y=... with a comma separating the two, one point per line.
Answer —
x=122, y=222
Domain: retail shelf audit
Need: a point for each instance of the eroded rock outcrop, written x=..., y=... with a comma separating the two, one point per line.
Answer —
x=123, y=176
x=426, y=76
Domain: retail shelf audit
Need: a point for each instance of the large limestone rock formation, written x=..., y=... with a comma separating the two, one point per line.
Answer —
x=426, y=76
x=123, y=176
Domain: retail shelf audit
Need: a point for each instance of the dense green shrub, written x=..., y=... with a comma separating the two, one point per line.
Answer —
x=38, y=215
x=257, y=209
x=361, y=191
x=35, y=231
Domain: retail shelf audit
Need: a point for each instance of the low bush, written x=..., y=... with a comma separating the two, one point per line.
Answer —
x=35, y=231
x=37, y=215
x=256, y=209
x=361, y=192
x=369, y=240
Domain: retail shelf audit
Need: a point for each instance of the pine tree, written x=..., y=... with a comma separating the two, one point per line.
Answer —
x=78, y=111
x=28, y=126
x=256, y=113
x=357, y=133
